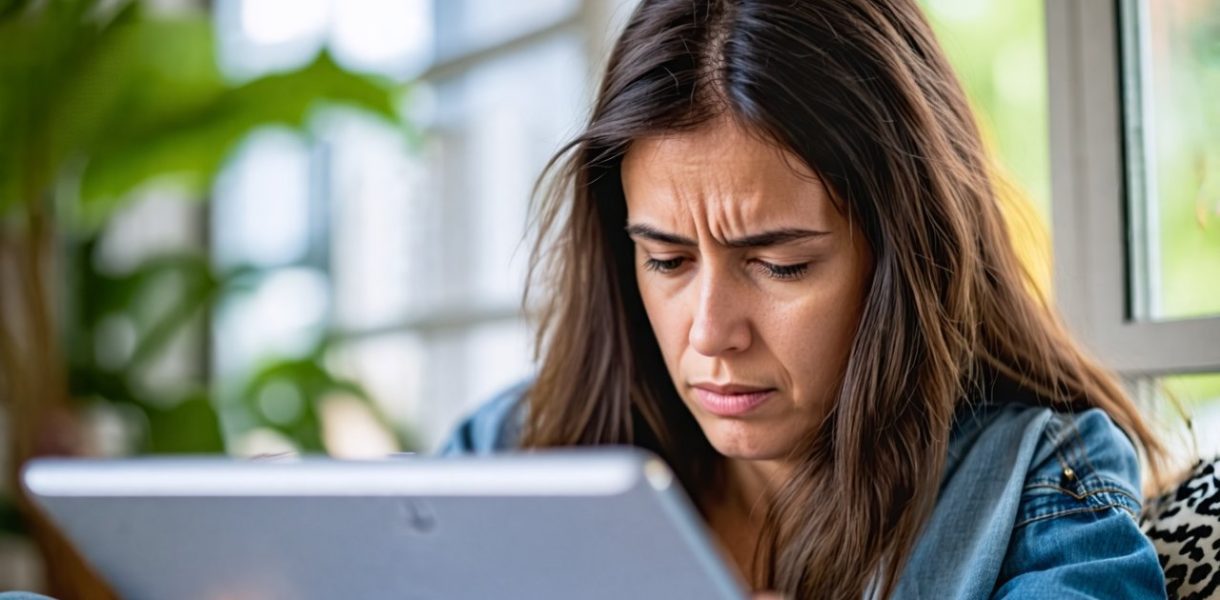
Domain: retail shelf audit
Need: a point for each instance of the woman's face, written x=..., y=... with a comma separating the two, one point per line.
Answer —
x=752, y=280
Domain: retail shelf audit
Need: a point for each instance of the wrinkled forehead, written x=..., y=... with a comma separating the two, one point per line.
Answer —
x=721, y=170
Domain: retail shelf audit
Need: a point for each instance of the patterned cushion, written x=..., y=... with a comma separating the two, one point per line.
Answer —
x=1184, y=525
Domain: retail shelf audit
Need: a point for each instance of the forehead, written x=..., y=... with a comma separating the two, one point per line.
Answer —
x=721, y=168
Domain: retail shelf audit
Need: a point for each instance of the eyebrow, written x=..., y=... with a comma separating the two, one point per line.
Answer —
x=758, y=240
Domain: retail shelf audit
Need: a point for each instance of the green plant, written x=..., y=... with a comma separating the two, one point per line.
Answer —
x=100, y=98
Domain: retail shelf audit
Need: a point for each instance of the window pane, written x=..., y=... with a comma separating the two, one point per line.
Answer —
x=390, y=369
x=467, y=25
x=261, y=202
x=284, y=314
x=384, y=226
x=425, y=382
x=439, y=230
x=998, y=50
x=1198, y=397
x=256, y=37
x=495, y=130
x=464, y=368
x=1172, y=87
x=392, y=38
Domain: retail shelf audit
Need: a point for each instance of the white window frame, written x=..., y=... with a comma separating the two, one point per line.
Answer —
x=591, y=19
x=1090, y=199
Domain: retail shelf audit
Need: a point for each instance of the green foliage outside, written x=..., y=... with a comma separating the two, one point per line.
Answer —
x=1186, y=80
x=102, y=99
x=998, y=50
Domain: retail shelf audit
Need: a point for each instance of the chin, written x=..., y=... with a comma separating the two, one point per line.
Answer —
x=744, y=440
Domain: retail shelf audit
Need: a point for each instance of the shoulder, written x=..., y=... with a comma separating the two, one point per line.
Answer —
x=1076, y=528
x=1059, y=462
x=1083, y=463
x=495, y=426
x=1035, y=502
x=1081, y=456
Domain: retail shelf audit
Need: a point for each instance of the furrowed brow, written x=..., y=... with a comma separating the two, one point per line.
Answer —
x=760, y=240
x=651, y=233
x=775, y=238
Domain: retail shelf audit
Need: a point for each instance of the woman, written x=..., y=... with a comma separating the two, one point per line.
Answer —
x=775, y=258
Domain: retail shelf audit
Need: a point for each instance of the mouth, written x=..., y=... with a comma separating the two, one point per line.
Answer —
x=731, y=400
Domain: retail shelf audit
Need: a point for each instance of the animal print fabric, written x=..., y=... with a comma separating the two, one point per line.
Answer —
x=1184, y=525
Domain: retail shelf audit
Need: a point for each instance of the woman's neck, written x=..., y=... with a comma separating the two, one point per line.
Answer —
x=738, y=511
x=752, y=483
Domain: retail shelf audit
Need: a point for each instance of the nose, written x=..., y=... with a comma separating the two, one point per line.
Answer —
x=721, y=324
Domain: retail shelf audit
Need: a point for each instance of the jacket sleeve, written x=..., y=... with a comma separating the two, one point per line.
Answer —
x=493, y=427
x=1077, y=533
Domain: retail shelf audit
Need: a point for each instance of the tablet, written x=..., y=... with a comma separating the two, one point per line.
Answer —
x=604, y=523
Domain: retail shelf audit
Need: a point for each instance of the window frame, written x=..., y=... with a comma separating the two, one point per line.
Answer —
x=590, y=18
x=1092, y=199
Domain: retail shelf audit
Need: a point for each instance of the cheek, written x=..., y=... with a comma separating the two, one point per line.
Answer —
x=665, y=314
x=812, y=337
x=818, y=339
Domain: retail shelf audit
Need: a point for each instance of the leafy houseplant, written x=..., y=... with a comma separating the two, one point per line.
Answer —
x=97, y=99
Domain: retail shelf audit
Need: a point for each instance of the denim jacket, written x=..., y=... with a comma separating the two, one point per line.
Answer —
x=1033, y=503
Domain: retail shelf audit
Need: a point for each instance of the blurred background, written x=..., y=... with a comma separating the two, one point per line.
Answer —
x=259, y=226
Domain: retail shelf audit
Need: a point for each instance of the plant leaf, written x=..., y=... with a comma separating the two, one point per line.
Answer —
x=191, y=426
x=191, y=146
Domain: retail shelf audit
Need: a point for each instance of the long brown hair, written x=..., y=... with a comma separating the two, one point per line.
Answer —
x=860, y=91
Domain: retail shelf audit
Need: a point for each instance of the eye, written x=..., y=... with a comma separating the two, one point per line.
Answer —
x=663, y=266
x=783, y=272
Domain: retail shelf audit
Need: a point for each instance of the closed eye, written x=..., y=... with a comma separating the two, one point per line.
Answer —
x=783, y=272
x=663, y=266
x=771, y=270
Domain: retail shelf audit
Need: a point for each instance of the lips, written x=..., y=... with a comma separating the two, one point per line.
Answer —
x=731, y=400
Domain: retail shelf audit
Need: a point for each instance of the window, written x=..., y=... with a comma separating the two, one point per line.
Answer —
x=411, y=253
x=1171, y=82
x=1133, y=146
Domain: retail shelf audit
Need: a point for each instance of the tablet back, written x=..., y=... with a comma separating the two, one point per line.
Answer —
x=562, y=524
